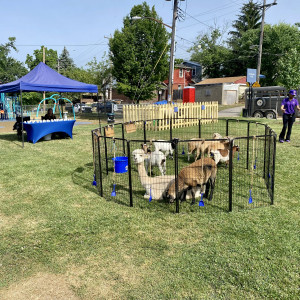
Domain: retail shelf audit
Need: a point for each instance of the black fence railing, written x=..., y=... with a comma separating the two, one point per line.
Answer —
x=137, y=166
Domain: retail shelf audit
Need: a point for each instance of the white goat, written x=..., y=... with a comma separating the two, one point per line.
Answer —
x=165, y=146
x=155, y=158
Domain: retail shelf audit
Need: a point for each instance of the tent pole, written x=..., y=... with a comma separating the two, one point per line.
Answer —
x=22, y=119
x=98, y=109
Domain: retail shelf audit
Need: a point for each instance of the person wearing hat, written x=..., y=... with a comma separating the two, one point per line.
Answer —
x=288, y=106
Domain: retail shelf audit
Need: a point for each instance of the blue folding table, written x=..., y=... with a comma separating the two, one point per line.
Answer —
x=38, y=129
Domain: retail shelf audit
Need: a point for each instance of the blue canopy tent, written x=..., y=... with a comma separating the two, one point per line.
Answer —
x=44, y=79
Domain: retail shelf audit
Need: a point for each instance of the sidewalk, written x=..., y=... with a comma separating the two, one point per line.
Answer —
x=231, y=112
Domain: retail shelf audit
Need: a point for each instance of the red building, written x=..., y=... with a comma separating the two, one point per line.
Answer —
x=182, y=77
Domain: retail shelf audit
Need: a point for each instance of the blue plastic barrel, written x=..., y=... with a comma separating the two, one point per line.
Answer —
x=121, y=164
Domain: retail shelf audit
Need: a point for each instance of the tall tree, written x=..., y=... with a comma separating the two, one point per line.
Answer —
x=139, y=53
x=10, y=68
x=51, y=58
x=210, y=51
x=248, y=19
x=65, y=62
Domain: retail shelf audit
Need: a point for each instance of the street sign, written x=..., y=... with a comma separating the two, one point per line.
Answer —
x=256, y=84
x=251, y=75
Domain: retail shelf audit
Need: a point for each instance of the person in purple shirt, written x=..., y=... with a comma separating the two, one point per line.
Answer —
x=288, y=106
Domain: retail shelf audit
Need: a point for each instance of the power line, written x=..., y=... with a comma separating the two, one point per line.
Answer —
x=64, y=45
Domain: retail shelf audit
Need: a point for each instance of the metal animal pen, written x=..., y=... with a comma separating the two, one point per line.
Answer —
x=247, y=181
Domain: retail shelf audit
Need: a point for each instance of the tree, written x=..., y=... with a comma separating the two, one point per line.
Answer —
x=101, y=73
x=289, y=64
x=248, y=19
x=211, y=53
x=139, y=54
x=65, y=62
x=281, y=47
x=51, y=58
x=10, y=68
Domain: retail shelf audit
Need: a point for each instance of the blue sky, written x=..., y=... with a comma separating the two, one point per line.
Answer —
x=82, y=25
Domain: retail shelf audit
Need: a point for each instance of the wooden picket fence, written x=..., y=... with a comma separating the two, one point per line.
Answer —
x=182, y=114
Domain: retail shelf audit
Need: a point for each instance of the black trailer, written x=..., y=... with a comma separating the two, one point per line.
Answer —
x=264, y=101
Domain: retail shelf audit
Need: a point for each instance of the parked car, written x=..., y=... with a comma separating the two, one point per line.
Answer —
x=104, y=107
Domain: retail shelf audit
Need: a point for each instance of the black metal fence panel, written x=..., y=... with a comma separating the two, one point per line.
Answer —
x=173, y=169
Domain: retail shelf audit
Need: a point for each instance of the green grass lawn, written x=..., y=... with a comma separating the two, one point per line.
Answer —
x=52, y=221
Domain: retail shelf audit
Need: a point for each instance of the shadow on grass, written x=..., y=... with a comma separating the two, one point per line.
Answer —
x=83, y=176
x=13, y=137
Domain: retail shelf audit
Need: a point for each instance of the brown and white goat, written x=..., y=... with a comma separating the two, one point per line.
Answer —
x=202, y=173
x=222, y=155
x=202, y=147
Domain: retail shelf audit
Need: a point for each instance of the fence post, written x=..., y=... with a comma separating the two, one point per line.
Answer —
x=199, y=127
x=269, y=157
x=123, y=137
x=265, y=150
x=100, y=168
x=227, y=125
x=105, y=151
x=145, y=136
x=129, y=174
x=273, y=177
x=230, y=175
x=171, y=129
x=176, y=174
x=248, y=135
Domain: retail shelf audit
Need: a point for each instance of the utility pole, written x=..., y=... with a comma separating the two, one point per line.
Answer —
x=264, y=6
x=171, y=70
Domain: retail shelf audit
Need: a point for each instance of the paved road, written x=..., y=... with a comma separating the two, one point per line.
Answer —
x=231, y=112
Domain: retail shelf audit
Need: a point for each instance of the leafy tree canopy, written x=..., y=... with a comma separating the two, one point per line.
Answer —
x=101, y=73
x=51, y=58
x=139, y=53
x=281, y=50
x=210, y=51
x=10, y=68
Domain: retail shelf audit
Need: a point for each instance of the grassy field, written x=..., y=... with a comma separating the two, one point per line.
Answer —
x=60, y=240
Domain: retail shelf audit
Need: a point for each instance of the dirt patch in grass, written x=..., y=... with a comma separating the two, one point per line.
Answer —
x=7, y=127
x=41, y=286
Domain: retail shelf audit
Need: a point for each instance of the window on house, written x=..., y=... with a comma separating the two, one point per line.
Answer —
x=208, y=92
x=180, y=73
x=194, y=71
x=179, y=86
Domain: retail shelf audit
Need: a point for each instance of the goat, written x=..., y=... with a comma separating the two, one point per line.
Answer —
x=222, y=155
x=200, y=173
x=204, y=147
x=194, y=145
x=165, y=146
x=155, y=158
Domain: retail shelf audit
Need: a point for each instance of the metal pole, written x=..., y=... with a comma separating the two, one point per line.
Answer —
x=129, y=174
x=230, y=175
x=261, y=41
x=262, y=36
x=100, y=168
x=171, y=69
x=176, y=175
x=22, y=119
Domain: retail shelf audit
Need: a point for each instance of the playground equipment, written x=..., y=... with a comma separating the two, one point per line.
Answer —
x=7, y=105
x=56, y=99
